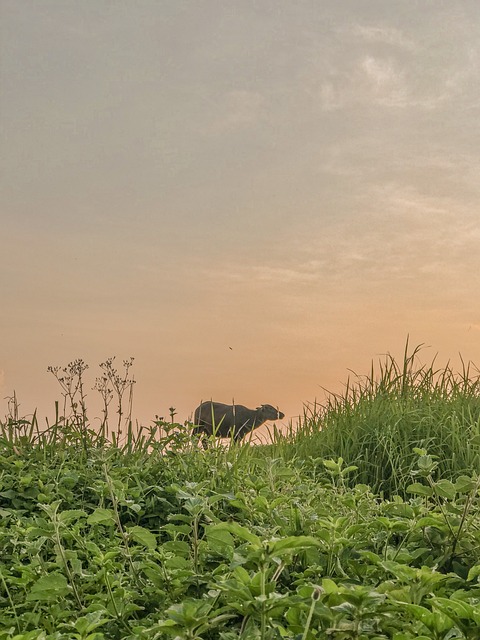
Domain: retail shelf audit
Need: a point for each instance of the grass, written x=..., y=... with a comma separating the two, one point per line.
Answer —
x=380, y=418
x=362, y=523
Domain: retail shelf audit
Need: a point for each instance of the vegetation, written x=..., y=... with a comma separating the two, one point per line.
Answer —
x=362, y=524
x=380, y=418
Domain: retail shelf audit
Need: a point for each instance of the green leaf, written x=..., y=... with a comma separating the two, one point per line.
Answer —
x=219, y=539
x=242, y=575
x=435, y=621
x=241, y=532
x=427, y=464
x=49, y=588
x=401, y=510
x=177, y=528
x=9, y=493
x=474, y=572
x=331, y=465
x=465, y=484
x=90, y=622
x=329, y=586
x=101, y=516
x=445, y=489
x=143, y=536
x=66, y=517
x=291, y=544
x=178, y=547
x=402, y=572
x=349, y=469
x=462, y=610
x=419, y=489
x=431, y=521
x=420, y=452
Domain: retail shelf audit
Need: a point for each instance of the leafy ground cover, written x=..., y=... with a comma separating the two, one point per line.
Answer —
x=159, y=539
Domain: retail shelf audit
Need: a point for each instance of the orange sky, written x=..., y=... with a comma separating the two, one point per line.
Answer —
x=250, y=198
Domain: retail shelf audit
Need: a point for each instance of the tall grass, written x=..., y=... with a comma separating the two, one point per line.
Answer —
x=379, y=418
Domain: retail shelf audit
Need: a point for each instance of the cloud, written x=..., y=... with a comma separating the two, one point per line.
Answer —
x=387, y=83
x=383, y=35
x=373, y=80
x=367, y=80
x=396, y=237
x=380, y=65
x=380, y=72
x=423, y=234
x=461, y=80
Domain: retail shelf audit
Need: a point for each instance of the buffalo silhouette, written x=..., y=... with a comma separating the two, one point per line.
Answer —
x=227, y=420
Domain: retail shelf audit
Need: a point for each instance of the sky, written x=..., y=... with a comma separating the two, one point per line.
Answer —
x=252, y=198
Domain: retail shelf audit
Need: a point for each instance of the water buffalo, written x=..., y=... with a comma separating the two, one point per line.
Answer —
x=226, y=420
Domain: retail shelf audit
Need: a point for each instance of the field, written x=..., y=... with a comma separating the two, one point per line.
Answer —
x=364, y=522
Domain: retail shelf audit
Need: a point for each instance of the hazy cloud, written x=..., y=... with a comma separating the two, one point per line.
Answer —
x=382, y=81
x=398, y=234
x=387, y=82
x=384, y=35
x=369, y=80
x=380, y=65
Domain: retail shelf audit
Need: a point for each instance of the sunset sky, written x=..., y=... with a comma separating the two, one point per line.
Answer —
x=250, y=197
